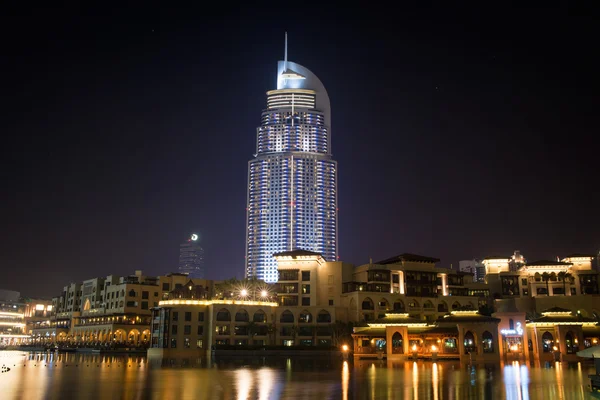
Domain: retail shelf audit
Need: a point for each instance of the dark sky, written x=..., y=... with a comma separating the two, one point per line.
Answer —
x=459, y=132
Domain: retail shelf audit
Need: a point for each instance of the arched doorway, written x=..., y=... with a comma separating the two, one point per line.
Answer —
x=487, y=341
x=469, y=343
x=134, y=336
x=397, y=343
x=547, y=342
x=571, y=343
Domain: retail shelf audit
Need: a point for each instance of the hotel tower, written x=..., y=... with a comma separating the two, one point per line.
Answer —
x=292, y=179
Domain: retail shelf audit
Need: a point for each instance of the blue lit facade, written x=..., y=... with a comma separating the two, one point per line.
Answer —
x=292, y=179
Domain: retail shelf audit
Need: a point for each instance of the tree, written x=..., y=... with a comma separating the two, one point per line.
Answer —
x=341, y=333
x=271, y=328
x=252, y=329
x=546, y=278
x=564, y=275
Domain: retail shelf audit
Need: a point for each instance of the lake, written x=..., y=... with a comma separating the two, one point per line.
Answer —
x=93, y=376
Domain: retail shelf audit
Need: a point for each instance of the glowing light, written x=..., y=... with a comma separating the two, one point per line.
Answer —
x=11, y=314
x=12, y=324
x=414, y=347
x=209, y=302
x=244, y=293
x=345, y=347
x=517, y=331
x=554, y=348
x=433, y=348
x=264, y=293
x=194, y=237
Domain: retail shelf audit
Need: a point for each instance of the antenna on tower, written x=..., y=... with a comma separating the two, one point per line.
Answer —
x=285, y=54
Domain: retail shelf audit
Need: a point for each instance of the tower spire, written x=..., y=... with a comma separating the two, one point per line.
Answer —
x=285, y=54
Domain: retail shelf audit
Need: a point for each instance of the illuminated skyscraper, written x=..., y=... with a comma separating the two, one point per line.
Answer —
x=191, y=257
x=292, y=179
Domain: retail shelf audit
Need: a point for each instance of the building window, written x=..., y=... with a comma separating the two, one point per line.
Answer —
x=165, y=287
x=330, y=279
x=187, y=329
x=186, y=342
x=306, y=275
x=330, y=302
x=188, y=316
x=200, y=330
x=573, y=291
x=306, y=301
x=144, y=305
x=145, y=295
x=525, y=292
x=199, y=343
x=131, y=293
x=305, y=289
x=173, y=343
x=524, y=281
x=175, y=316
x=200, y=316
x=174, y=330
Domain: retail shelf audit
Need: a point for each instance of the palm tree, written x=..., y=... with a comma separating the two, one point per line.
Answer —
x=546, y=278
x=564, y=275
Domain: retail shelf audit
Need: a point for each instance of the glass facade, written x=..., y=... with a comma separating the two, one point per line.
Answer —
x=191, y=258
x=292, y=180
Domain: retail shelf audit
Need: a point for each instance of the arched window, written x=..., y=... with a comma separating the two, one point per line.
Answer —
x=469, y=343
x=305, y=317
x=487, y=341
x=442, y=306
x=367, y=304
x=428, y=305
x=397, y=346
x=323, y=317
x=456, y=305
x=286, y=317
x=383, y=304
x=398, y=305
x=413, y=304
x=547, y=342
x=537, y=277
x=223, y=315
x=571, y=343
x=131, y=293
x=259, y=316
x=511, y=324
x=241, y=316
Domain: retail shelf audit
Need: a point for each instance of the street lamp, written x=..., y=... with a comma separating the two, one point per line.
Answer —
x=244, y=293
x=264, y=293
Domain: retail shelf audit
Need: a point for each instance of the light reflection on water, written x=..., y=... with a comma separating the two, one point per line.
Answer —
x=94, y=376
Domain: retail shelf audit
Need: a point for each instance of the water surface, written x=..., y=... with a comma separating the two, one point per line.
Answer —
x=87, y=376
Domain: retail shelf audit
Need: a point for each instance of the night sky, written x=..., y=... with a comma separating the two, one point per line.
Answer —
x=459, y=132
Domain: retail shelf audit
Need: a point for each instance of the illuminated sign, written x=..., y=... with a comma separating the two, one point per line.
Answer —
x=194, y=237
x=517, y=331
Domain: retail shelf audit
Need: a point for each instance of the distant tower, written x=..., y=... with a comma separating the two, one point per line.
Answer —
x=517, y=261
x=191, y=257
